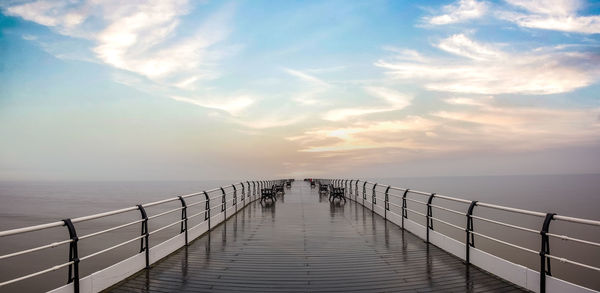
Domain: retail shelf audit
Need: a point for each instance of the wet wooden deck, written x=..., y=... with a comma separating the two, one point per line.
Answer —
x=304, y=243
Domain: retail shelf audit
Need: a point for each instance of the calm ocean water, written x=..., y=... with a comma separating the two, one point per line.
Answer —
x=30, y=203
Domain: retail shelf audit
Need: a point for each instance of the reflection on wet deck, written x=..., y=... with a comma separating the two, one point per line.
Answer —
x=305, y=243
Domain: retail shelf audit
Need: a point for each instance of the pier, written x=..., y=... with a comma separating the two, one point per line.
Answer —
x=304, y=243
x=379, y=239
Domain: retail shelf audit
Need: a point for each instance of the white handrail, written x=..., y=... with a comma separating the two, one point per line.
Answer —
x=357, y=184
x=223, y=191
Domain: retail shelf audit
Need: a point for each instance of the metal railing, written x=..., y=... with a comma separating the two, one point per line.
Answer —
x=356, y=189
x=249, y=191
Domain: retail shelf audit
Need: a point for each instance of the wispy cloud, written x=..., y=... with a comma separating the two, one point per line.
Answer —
x=234, y=106
x=305, y=76
x=366, y=135
x=142, y=39
x=64, y=16
x=393, y=99
x=466, y=124
x=488, y=70
x=139, y=36
x=311, y=97
x=271, y=121
x=559, y=15
x=461, y=45
x=460, y=11
x=518, y=127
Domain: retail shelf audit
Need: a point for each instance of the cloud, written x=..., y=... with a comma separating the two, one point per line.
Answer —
x=559, y=15
x=365, y=135
x=145, y=37
x=311, y=97
x=461, y=45
x=65, y=16
x=141, y=38
x=394, y=101
x=464, y=124
x=485, y=69
x=479, y=123
x=460, y=11
x=271, y=121
x=467, y=101
x=306, y=77
x=233, y=106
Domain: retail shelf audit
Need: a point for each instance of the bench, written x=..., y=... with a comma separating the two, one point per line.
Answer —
x=336, y=192
x=279, y=188
x=323, y=189
x=268, y=193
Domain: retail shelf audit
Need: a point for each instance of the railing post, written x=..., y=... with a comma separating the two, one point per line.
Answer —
x=373, y=198
x=429, y=215
x=404, y=212
x=207, y=209
x=350, y=189
x=470, y=241
x=73, y=276
x=184, y=223
x=234, y=197
x=364, y=193
x=144, y=244
x=356, y=189
x=223, y=205
x=345, y=186
x=249, y=192
x=243, y=189
x=387, y=202
x=545, y=250
x=254, y=188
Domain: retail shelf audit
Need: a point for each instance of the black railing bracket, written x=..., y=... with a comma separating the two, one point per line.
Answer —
x=184, y=220
x=144, y=244
x=470, y=241
x=73, y=276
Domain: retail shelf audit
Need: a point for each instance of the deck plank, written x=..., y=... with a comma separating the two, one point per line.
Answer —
x=303, y=243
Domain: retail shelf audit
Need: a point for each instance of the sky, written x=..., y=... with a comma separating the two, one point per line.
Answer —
x=195, y=90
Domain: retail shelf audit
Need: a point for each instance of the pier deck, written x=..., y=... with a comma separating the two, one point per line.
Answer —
x=303, y=243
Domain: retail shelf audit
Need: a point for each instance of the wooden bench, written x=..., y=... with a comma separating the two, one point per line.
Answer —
x=323, y=189
x=268, y=193
x=279, y=188
x=336, y=192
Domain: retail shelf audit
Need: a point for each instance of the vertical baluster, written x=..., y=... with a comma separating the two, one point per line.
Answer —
x=404, y=212
x=184, y=223
x=144, y=245
x=234, y=197
x=387, y=202
x=364, y=193
x=373, y=198
x=207, y=210
x=73, y=276
x=545, y=249
x=470, y=241
x=429, y=225
x=223, y=205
